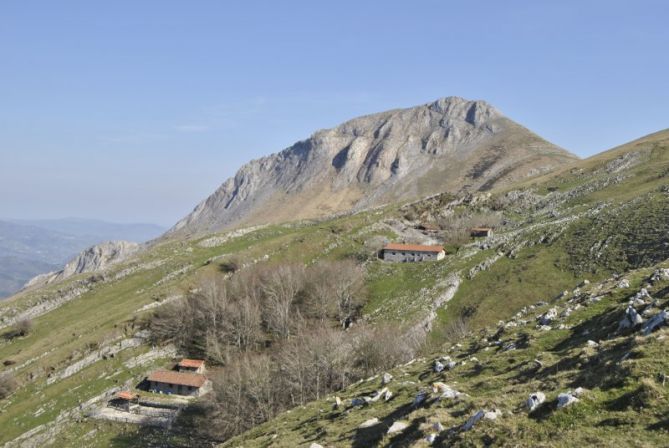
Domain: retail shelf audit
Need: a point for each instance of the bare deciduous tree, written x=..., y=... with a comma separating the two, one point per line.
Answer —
x=243, y=397
x=281, y=288
x=334, y=290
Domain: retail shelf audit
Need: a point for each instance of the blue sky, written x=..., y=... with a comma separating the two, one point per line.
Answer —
x=137, y=110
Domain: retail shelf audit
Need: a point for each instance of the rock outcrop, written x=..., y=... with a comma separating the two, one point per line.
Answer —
x=451, y=144
x=93, y=259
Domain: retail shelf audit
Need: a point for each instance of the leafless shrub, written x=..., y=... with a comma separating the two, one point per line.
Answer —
x=20, y=328
x=381, y=347
x=230, y=265
x=457, y=329
x=7, y=385
x=24, y=327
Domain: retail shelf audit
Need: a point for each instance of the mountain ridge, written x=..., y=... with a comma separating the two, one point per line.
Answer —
x=450, y=144
x=30, y=247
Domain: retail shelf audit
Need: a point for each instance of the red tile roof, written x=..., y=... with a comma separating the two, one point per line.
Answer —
x=126, y=395
x=413, y=247
x=180, y=378
x=191, y=363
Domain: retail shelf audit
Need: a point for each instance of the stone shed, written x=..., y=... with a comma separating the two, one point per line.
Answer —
x=404, y=253
x=179, y=383
x=125, y=400
x=477, y=232
x=191, y=365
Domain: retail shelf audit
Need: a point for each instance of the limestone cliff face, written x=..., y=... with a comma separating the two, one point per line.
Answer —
x=93, y=259
x=451, y=144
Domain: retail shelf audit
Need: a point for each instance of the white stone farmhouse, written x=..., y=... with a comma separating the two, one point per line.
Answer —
x=412, y=252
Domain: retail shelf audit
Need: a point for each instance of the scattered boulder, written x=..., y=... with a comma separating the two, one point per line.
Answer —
x=369, y=423
x=492, y=415
x=508, y=346
x=592, y=343
x=431, y=438
x=654, y=322
x=566, y=399
x=623, y=284
x=445, y=391
x=438, y=367
x=358, y=401
x=386, y=378
x=420, y=398
x=438, y=427
x=338, y=403
x=397, y=427
x=315, y=445
x=471, y=421
x=660, y=274
x=579, y=392
x=378, y=394
x=535, y=400
x=641, y=298
x=631, y=319
x=548, y=317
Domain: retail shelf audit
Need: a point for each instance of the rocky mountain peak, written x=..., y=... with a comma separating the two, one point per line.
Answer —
x=450, y=144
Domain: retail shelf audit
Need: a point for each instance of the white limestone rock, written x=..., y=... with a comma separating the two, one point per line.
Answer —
x=548, y=317
x=631, y=319
x=397, y=427
x=535, y=400
x=369, y=423
x=566, y=399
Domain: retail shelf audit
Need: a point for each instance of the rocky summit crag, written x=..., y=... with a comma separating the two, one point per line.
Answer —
x=451, y=144
x=93, y=259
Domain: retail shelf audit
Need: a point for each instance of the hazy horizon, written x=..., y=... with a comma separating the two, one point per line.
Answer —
x=135, y=112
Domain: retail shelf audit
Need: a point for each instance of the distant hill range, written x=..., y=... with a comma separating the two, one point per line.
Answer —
x=32, y=247
x=451, y=144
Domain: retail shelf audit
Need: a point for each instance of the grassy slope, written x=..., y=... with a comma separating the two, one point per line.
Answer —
x=626, y=403
x=397, y=292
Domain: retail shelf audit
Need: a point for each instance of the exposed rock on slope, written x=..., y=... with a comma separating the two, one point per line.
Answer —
x=450, y=144
x=93, y=259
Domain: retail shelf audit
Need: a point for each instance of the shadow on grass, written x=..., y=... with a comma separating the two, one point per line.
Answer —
x=598, y=327
x=410, y=435
x=661, y=425
x=544, y=411
x=372, y=436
